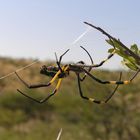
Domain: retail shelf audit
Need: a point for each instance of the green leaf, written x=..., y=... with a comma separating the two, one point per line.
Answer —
x=130, y=63
x=111, y=50
x=115, y=44
x=135, y=49
x=139, y=52
x=131, y=66
x=109, y=41
x=121, y=53
x=128, y=60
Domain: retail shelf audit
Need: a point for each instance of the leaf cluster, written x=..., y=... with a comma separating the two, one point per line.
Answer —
x=128, y=59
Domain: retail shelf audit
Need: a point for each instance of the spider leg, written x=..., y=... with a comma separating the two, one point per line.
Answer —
x=45, y=99
x=105, y=60
x=114, y=90
x=38, y=85
x=83, y=78
x=58, y=62
x=41, y=84
x=133, y=77
x=60, y=58
x=111, y=82
x=92, y=99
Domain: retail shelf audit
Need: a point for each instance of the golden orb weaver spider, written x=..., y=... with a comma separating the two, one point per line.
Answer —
x=59, y=72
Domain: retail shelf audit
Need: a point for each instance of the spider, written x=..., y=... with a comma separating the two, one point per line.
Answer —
x=60, y=72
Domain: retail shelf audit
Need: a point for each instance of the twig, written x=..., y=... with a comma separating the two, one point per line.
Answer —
x=59, y=134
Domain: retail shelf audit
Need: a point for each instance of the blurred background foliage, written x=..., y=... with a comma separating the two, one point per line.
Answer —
x=21, y=118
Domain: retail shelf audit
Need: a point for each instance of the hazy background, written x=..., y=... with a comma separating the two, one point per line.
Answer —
x=38, y=28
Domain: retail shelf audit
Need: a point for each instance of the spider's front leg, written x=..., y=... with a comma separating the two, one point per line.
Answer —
x=58, y=62
x=40, y=84
x=104, y=61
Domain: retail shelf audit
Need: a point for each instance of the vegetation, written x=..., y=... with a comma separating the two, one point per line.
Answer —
x=128, y=60
x=21, y=118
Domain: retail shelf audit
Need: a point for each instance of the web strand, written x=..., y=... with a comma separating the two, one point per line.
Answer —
x=81, y=36
x=10, y=74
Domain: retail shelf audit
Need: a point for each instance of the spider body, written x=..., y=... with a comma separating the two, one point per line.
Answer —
x=50, y=71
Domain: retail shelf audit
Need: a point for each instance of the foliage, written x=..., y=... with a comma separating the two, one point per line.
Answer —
x=128, y=59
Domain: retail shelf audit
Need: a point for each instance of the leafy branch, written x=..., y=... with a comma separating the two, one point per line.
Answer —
x=131, y=57
x=128, y=60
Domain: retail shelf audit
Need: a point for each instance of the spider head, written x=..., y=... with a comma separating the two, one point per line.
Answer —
x=48, y=70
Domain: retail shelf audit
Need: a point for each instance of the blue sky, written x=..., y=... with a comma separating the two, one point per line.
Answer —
x=38, y=28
